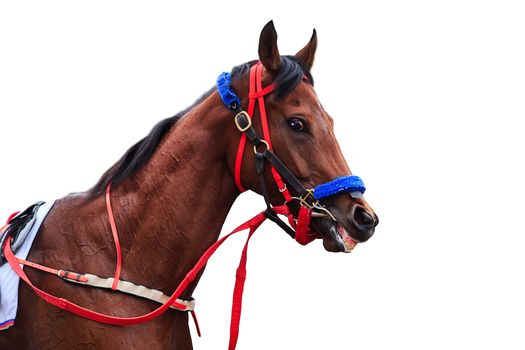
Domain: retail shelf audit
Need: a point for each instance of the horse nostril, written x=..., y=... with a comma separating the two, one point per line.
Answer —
x=363, y=219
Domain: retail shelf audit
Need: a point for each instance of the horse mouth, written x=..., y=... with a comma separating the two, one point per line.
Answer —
x=335, y=236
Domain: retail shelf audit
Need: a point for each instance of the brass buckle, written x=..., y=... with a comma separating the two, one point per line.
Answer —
x=247, y=116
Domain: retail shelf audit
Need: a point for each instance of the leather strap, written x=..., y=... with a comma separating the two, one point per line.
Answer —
x=123, y=286
x=116, y=240
x=290, y=178
x=239, y=289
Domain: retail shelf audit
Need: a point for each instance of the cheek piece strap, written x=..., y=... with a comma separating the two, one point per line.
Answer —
x=289, y=186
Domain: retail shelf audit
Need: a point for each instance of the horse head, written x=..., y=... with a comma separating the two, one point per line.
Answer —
x=302, y=136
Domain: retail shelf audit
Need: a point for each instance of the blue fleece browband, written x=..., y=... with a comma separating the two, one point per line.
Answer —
x=228, y=96
x=350, y=184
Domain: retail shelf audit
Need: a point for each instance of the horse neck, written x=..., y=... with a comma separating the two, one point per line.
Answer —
x=173, y=209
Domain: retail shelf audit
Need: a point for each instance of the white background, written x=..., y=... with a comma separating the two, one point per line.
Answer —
x=427, y=98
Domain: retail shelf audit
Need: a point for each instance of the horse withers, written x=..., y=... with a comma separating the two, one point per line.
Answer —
x=157, y=191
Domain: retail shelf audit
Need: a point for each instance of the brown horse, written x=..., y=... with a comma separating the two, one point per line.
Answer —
x=171, y=193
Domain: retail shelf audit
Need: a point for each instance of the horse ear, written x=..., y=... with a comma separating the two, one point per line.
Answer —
x=307, y=53
x=268, y=51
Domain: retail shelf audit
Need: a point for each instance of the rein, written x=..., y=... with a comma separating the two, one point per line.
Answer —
x=169, y=302
x=290, y=187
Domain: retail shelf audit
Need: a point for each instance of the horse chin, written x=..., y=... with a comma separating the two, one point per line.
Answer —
x=335, y=237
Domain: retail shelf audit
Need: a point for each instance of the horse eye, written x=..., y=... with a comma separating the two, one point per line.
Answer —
x=296, y=124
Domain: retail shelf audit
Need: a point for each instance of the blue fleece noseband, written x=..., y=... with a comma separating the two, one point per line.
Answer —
x=349, y=184
x=228, y=96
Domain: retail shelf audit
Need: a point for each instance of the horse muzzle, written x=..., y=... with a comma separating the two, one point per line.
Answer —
x=350, y=223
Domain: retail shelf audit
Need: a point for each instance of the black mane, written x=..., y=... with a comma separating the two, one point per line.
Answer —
x=291, y=73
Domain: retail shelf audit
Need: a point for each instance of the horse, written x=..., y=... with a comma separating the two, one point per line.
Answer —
x=171, y=193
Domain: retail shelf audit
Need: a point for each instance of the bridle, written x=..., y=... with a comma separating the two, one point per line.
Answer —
x=285, y=180
x=290, y=187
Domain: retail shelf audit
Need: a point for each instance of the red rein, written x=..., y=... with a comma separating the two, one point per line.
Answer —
x=251, y=224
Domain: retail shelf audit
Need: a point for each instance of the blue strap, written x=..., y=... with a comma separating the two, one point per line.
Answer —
x=350, y=184
x=228, y=96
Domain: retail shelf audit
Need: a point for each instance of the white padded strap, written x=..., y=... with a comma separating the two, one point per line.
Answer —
x=140, y=291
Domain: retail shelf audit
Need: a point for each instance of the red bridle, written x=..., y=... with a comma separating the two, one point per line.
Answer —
x=256, y=94
x=301, y=226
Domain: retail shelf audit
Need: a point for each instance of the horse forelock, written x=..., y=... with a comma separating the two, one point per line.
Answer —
x=290, y=74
